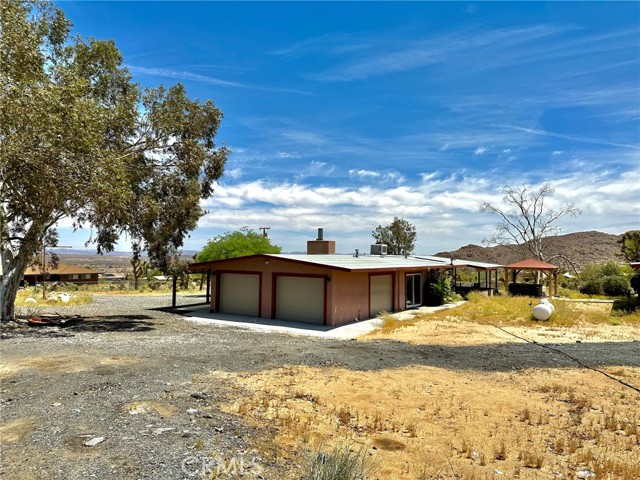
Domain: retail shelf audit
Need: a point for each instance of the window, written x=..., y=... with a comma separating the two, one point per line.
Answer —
x=414, y=290
x=73, y=276
x=86, y=275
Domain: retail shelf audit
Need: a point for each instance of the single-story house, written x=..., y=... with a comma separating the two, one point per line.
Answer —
x=62, y=273
x=319, y=287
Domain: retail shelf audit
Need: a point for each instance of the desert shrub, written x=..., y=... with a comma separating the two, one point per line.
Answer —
x=592, y=287
x=615, y=286
x=610, y=269
x=475, y=297
x=609, y=278
x=339, y=463
x=626, y=306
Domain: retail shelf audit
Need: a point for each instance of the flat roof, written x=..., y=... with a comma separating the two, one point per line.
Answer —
x=348, y=263
x=463, y=263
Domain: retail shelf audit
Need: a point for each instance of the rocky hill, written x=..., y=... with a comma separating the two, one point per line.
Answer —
x=581, y=248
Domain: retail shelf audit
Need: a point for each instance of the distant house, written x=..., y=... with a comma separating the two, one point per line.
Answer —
x=62, y=273
x=319, y=287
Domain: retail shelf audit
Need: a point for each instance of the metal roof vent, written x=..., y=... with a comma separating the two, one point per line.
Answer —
x=378, y=249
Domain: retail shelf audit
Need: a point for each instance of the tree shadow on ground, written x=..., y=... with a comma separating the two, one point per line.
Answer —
x=66, y=327
x=114, y=323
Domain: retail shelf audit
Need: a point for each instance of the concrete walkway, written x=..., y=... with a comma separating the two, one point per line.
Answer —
x=201, y=314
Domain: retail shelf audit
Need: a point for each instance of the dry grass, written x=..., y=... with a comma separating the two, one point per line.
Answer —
x=469, y=422
x=515, y=312
x=77, y=298
x=518, y=311
x=431, y=422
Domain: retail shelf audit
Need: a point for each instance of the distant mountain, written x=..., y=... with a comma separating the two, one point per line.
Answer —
x=89, y=252
x=581, y=248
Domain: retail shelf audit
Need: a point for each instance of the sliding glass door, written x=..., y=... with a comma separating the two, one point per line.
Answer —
x=414, y=290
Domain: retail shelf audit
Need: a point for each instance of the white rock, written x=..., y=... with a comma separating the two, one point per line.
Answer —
x=94, y=441
x=64, y=297
x=57, y=404
x=158, y=431
x=192, y=411
x=30, y=300
x=584, y=474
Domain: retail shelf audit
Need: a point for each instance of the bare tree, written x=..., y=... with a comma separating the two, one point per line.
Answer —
x=526, y=220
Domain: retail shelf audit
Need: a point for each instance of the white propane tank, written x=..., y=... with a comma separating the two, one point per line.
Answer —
x=543, y=310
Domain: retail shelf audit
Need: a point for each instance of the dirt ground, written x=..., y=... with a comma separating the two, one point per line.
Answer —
x=133, y=392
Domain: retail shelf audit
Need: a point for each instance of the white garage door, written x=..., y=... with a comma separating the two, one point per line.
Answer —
x=240, y=294
x=381, y=294
x=300, y=299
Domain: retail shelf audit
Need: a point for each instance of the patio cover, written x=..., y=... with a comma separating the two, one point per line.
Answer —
x=537, y=266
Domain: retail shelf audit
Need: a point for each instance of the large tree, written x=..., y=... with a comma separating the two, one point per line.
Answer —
x=240, y=243
x=630, y=246
x=399, y=236
x=79, y=140
x=526, y=219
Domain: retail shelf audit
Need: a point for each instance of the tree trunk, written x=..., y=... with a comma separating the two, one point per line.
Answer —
x=12, y=270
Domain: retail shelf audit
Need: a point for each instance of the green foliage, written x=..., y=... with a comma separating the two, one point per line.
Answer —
x=593, y=286
x=240, y=243
x=630, y=245
x=399, y=236
x=81, y=141
x=440, y=291
x=339, y=463
x=610, y=269
x=607, y=279
x=615, y=286
x=179, y=269
x=152, y=272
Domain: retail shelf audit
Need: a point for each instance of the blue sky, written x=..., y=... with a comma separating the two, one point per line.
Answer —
x=344, y=115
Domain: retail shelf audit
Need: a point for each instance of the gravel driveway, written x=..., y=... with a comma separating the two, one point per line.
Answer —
x=118, y=396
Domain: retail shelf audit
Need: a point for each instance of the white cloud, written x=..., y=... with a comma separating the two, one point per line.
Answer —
x=363, y=173
x=556, y=153
x=234, y=173
x=288, y=155
x=479, y=151
x=445, y=209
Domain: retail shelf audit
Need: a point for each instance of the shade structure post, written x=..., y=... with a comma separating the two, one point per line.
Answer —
x=174, y=292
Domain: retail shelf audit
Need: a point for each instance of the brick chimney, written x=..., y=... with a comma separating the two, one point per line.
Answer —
x=320, y=246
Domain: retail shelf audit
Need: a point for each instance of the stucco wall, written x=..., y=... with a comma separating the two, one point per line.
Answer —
x=347, y=292
x=350, y=295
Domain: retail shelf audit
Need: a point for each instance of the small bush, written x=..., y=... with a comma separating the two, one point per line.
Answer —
x=440, y=291
x=592, y=287
x=340, y=463
x=635, y=282
x=615, y=286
